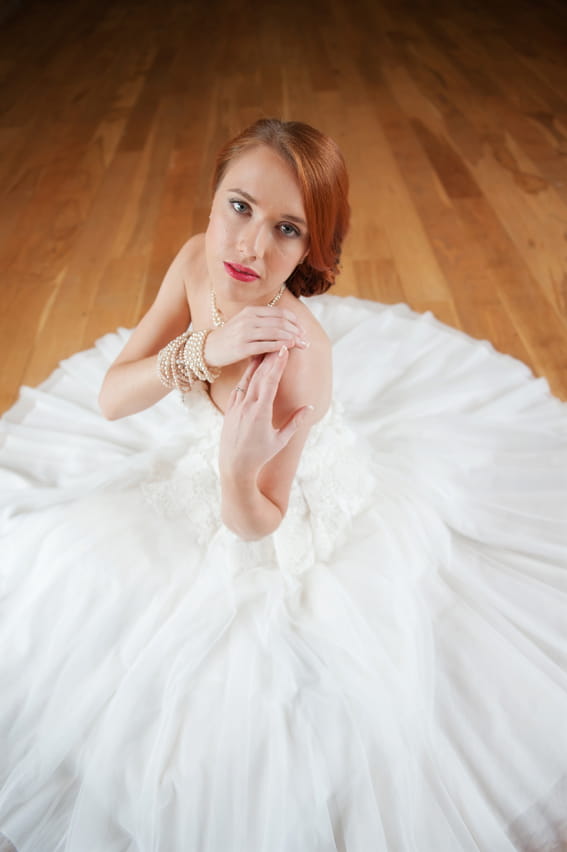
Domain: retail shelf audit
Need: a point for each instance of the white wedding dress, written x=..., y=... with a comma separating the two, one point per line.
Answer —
x=387, y=671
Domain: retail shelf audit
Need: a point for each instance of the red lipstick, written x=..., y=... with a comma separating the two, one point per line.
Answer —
x=241, y=273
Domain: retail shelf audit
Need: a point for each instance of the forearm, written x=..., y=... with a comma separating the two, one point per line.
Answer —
x=245, y=510
x=131, y=387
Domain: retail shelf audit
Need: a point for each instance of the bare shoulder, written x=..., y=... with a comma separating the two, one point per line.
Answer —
x=308, y=376
x=194, y=265
x=194, y=246
x=180, y=272
x=191, y=254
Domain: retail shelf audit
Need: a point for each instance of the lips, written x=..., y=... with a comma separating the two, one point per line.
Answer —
x=241, y=273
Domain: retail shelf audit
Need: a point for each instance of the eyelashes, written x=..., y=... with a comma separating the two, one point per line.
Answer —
x=235, y=204
x=292, y=232
x=286, y=229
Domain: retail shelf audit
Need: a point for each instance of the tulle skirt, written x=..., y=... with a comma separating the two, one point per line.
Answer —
x=387, y=671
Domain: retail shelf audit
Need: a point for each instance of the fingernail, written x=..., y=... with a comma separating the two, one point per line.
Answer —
x=282, y=351
x=311, y=407
x=304, y=344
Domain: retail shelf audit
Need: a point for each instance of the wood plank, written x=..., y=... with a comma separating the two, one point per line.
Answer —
x=541, y=330
x=452, y=118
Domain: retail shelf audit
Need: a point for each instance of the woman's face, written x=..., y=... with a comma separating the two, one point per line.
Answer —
x=257, y=232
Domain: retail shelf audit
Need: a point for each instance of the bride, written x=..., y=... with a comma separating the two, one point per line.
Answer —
x=279, y=215
x=302, y=588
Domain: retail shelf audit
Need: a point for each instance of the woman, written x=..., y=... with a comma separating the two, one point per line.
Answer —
x=282, y=610
x=259, y=237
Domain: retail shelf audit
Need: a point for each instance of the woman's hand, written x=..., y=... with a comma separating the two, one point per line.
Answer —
x=253, y=331
x=248, y=438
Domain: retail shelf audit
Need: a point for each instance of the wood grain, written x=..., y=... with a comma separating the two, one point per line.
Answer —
x=452, y=117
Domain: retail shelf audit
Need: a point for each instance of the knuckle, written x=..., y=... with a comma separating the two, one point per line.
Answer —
x=271, y=380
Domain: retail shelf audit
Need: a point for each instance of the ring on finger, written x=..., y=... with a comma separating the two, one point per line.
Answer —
x=238, y=388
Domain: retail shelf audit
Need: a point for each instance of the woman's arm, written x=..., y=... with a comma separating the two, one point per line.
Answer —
x=266, y=426
x=132, y=383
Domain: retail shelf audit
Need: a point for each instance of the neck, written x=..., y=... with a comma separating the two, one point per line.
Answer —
x=226, y=309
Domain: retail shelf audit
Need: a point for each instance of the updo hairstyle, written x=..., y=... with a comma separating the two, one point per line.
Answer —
x=322, y=176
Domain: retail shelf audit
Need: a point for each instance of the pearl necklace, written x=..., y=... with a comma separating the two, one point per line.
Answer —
x=217, y=317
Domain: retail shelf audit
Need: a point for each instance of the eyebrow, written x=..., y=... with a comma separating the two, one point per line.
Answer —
x=249, y=198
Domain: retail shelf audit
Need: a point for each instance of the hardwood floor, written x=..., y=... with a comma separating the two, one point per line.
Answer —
x=452, y=117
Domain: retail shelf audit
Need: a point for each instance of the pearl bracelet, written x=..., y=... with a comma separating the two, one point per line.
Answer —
x=182, y=361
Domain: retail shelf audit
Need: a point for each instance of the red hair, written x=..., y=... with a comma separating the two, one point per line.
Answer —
x=323, y=182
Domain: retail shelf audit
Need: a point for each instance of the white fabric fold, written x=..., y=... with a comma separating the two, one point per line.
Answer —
x=387, y=671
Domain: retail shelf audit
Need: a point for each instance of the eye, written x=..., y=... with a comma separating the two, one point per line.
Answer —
x=289, y=230
x=239, y=206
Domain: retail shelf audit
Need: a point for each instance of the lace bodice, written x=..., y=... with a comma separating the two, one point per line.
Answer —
x=332, y=484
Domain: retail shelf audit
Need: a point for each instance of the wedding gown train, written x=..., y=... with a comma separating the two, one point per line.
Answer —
x=384, y=672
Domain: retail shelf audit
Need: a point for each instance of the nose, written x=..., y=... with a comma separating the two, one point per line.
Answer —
x=252, y=240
